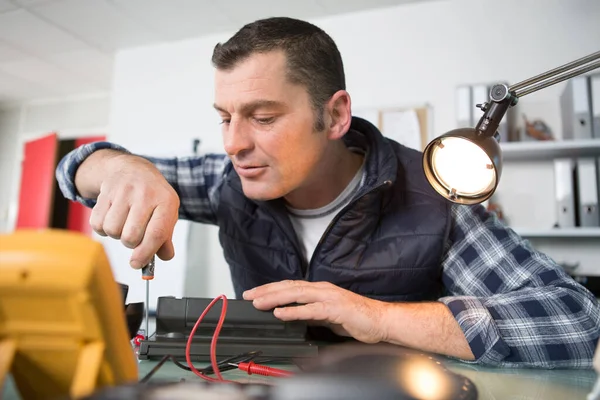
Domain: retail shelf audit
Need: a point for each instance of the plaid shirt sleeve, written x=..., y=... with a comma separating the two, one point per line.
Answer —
x=195, y=179
x=515, y=305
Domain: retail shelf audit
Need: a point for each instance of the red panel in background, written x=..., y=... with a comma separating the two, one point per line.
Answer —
x=37, y=183
x=79, y=215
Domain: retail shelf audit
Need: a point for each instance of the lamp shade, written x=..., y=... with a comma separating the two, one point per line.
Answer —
x=463, y=166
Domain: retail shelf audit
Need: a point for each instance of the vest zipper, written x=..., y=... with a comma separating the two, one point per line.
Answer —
x=336, y=218
x=292, y=239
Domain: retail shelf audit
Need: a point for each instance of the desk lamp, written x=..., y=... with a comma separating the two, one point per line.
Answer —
x=465, y=164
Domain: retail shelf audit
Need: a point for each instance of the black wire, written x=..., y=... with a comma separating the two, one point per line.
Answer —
x=180, y=365
x=266, y=360
x=156, y=368
x=223, y=365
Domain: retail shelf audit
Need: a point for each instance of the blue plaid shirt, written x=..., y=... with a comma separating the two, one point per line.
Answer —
x=515, y=305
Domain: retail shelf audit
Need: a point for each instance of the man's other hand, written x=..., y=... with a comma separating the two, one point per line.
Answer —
x=344, y=312
x=136, y=205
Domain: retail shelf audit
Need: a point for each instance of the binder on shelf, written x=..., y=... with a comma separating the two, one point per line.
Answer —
x=464, y=113
x=576, y=109
x=564, y=169
x=595, y=94
x=479, y=95
x=598, y=182
x=587, y=192
x=467, y=113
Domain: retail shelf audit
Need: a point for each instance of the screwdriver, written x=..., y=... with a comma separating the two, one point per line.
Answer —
x=148, y=275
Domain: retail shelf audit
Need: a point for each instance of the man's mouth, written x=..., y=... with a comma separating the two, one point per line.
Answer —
x=250, y=166
x=249, y=170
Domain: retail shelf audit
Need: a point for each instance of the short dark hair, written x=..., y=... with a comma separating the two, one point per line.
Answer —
x=313, y=59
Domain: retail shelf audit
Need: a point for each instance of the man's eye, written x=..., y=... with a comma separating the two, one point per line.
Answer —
x=265, y=121
x=225, y=121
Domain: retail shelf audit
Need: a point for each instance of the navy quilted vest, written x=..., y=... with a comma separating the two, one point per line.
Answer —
x=386, y=244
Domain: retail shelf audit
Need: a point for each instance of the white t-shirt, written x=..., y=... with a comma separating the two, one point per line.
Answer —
x=311, y=224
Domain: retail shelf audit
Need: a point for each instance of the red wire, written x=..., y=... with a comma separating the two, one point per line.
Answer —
x=213, y=343
x=251, y=367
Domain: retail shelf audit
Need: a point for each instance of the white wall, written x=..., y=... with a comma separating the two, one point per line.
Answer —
x=406, y=55
x=70, y=117
x=9, y=129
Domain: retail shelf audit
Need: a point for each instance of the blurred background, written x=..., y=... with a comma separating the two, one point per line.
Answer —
x=138, y=73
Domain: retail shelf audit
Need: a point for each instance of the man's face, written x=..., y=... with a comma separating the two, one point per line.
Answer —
x=268, y=128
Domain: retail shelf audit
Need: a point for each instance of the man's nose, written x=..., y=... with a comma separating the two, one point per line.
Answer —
x=237, y=137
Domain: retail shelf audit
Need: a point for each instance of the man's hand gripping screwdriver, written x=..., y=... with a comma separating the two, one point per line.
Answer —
x=148, y=275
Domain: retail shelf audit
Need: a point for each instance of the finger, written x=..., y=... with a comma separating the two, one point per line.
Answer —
x=302, y=294
x=158, y=231
x=266, y=288
x=98, y=213
x=115, y=219
x=135, y=226
x=273, y=287
x=167, y=250
x=309, y=312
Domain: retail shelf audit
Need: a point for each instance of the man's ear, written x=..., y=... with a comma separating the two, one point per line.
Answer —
x=339, y=110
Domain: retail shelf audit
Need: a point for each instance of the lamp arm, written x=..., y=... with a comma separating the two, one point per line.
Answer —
x=554, y=72
x=556, y=79
x=503, y=97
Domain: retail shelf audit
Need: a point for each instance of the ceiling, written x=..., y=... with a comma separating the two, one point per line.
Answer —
x=61, y=48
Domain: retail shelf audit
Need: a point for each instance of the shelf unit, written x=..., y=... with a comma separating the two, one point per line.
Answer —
x=548, y=150
x=560, y=233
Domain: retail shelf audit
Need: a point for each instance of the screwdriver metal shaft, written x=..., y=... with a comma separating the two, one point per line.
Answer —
x=148, y=275
x=147, y=307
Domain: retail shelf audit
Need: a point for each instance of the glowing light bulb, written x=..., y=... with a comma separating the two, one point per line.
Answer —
x=463, y=167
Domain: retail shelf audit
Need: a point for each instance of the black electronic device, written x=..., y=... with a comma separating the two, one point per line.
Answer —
x=245, y=329
x=134, y=312
x=350, y=373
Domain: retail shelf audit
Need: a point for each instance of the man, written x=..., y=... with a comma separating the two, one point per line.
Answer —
x=317, y=207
